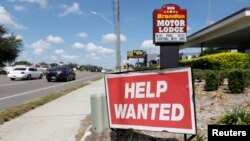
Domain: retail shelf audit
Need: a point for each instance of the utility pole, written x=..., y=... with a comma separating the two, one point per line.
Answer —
x=118, y=42
x=209, y=13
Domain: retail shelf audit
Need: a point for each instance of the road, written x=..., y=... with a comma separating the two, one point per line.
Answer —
x=13, y=93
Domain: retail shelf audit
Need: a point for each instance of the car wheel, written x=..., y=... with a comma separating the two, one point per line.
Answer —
x=12, y=79
x=49, y=80
x=41, y=76
x=67, y=78
x=29, y=77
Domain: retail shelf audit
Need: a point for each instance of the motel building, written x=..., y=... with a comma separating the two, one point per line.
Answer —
x=230, y=33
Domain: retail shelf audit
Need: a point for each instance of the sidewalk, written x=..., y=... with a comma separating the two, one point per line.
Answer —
x=58, y=120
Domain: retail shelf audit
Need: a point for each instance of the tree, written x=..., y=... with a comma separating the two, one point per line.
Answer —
x=26, y=63
x=10, y=47
x=208, y=51
x=72, y=65
x=43, y=64
x=53, y=65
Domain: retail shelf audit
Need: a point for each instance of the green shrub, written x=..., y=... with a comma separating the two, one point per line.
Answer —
x=211, y=81
x=200, y=137
x=199, y=75
x=219, y=61
x=237, y=81
x=236, y=116
x=247, y=77
x=222, y=74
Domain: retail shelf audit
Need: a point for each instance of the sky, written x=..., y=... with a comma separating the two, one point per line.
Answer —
x=83, y=31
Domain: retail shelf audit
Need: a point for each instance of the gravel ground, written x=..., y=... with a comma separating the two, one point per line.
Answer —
x=209, y=107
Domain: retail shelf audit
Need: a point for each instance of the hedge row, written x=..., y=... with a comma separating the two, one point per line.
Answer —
x=238, y=79
x=220, y=61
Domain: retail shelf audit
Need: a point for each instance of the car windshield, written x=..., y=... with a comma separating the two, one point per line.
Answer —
x=56, y=69
x=22, y=69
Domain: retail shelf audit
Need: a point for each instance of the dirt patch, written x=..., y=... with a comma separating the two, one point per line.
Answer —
x=84, y=126
x=209, y=107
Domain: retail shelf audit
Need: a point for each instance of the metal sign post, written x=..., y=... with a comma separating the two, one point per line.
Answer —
x=169, y=56
x=169, y=32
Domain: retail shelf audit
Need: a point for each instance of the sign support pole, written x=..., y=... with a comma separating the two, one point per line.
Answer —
x=169, y=32
x=169, y=56
x=188, y=139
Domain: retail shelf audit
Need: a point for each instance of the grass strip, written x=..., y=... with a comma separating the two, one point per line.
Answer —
x=97, y=78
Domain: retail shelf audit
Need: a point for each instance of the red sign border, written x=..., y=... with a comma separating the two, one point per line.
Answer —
x=167, y=42
x=193, y=130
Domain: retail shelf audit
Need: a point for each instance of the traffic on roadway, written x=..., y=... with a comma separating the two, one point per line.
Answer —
x=16, y=92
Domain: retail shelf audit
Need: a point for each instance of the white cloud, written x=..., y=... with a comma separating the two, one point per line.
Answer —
x=93, y=56
x=24, y=55
x=69, y=57
x=91, y=47
x=53, y=58
x=103, y=50
x=19, y=8
x=63, y=55
x=73, y=9
x=40, y=46
x=209, y=22
x=42, y=3
x=150, y=47
x=147, y=44
x=82, y=35
x=55, y=39
x=78, y=45
x=38, y=51
x=59, y=51
x=19, y=37
x=7, y=19
x=111, y=38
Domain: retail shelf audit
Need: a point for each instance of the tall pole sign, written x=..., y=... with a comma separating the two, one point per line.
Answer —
x=170, y=24
x=169, y=31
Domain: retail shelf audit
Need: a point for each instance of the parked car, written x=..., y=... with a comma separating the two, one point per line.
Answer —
x=60, y=73
x=24, y=73
x=2, y=71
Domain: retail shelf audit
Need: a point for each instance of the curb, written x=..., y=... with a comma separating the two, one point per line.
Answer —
x=87, y=134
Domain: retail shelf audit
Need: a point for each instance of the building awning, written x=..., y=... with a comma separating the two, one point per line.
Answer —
x=231, y=32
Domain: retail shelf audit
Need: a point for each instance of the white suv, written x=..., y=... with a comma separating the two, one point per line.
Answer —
x=24, y=73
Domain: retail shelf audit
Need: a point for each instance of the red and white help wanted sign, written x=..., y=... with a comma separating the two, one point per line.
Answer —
x=152, y=101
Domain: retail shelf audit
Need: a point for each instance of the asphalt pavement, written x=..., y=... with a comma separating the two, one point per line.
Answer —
x=17, y=92
x=58, y=120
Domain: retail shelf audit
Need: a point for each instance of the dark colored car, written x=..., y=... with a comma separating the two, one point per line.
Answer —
x=60, y=73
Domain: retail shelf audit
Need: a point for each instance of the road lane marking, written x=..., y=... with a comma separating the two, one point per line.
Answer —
x=3, y=85
x=29, y=92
